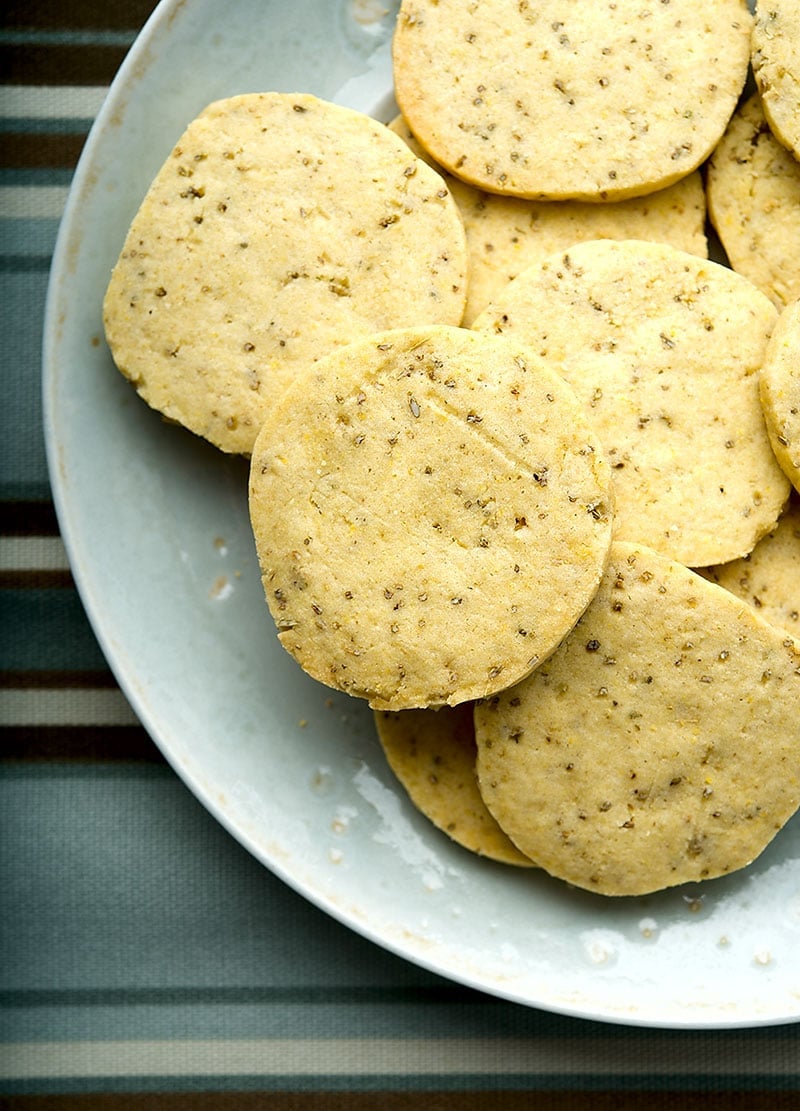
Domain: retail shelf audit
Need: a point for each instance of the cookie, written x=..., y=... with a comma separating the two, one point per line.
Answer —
x=769, y=578
x=775, y=47
x=658, y=745
x=432, y=753
x=780, y=392
x=431, y=514
x=280, y=227
x=753, y=195
x=564, y=100
x=505, y=235
x=663, y=349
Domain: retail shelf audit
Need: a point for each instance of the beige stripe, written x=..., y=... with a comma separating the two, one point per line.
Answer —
x=51, y=102
x=68, y=706
x=33, y=553
x=35, y=202
x=605, y=1056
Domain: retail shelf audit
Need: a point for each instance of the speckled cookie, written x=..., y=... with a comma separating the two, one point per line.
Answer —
x=280, y=227
x=564, y=100
x=432, y=753
x=664, y=350
x=775, y=52
x=659, y=745
x=753, y=193
x=780, y=391
x=769, y=578
x=505, y=235
x=431, y=514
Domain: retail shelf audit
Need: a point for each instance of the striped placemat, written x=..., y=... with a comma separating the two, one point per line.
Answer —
x=146, y=960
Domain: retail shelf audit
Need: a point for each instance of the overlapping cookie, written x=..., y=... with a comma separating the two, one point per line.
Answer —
x=564, y=100
x=753, y=192
x=432, y=513
x=780, y=391
x=775, y=51
x=505, y=235
x=664, y=350
x=432, y=753
x=631, y=761
x=280, y=227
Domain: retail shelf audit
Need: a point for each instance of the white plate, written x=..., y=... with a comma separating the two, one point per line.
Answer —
x=156, y=525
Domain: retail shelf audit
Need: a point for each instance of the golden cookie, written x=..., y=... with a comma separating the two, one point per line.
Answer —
x=658, y=745
x=769, y=578
x=280, y=227
x=432, y=753
x=664, y=350
x=780, y=392
x=555, y=99
x=505, y=235
x=775, y=52
x=431, y=514
x=753, y=194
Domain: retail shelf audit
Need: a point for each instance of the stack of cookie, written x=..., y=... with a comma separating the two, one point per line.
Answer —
x=501, y=409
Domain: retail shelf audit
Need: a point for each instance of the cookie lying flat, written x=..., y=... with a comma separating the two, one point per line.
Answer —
x=431, y=515
x=564, y=100
x=769, y=578
x=664, y=350
x=432, y=753
x=775, y=50
x=505, y=235
x=753, y=193
x=280, y=227
x=660, y=744
x=780, y=391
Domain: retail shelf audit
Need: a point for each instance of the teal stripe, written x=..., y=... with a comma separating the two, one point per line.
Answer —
x=9, y=37
x=38, y=175
x=23, y=464
x=27, y=238
x=46, y=629
x=55, y=125
x=25, y=264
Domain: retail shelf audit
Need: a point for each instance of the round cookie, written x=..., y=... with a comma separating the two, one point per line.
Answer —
x=769, y=578
x=780, y=391
x=775, y=50
x=658, y=745
x=564, y=100
x=505, y=235
x=280, y=227
x=432, y=753
x=753, y=195
x=431, y=514
x=664, y=350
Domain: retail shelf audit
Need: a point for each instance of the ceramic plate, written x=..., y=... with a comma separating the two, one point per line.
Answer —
x=156, y=525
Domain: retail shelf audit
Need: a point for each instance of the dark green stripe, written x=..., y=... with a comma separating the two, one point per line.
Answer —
x=25, y=264
x=49, y=125
x=46, y=629
x=30, y=177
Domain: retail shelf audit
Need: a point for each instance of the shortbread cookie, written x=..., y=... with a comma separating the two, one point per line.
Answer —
x=505, y=235
x=564, y=100
x=664, y=350
x=769, y=578
x=775, y=53
x=280, y=227
x=659, y=745
x=753, y=193
x=780, y=392
x=431, y=513
x=432, y=753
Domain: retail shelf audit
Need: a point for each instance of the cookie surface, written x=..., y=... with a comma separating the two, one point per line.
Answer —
x=431, y=515
x=658, y=745
x=280, y=227
x=664, y=350
x=769, y=578
x=432, y=753
x=780, y=391
x=558, y=100
x=753, y=192
x=775, y=48
x=505, y=235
